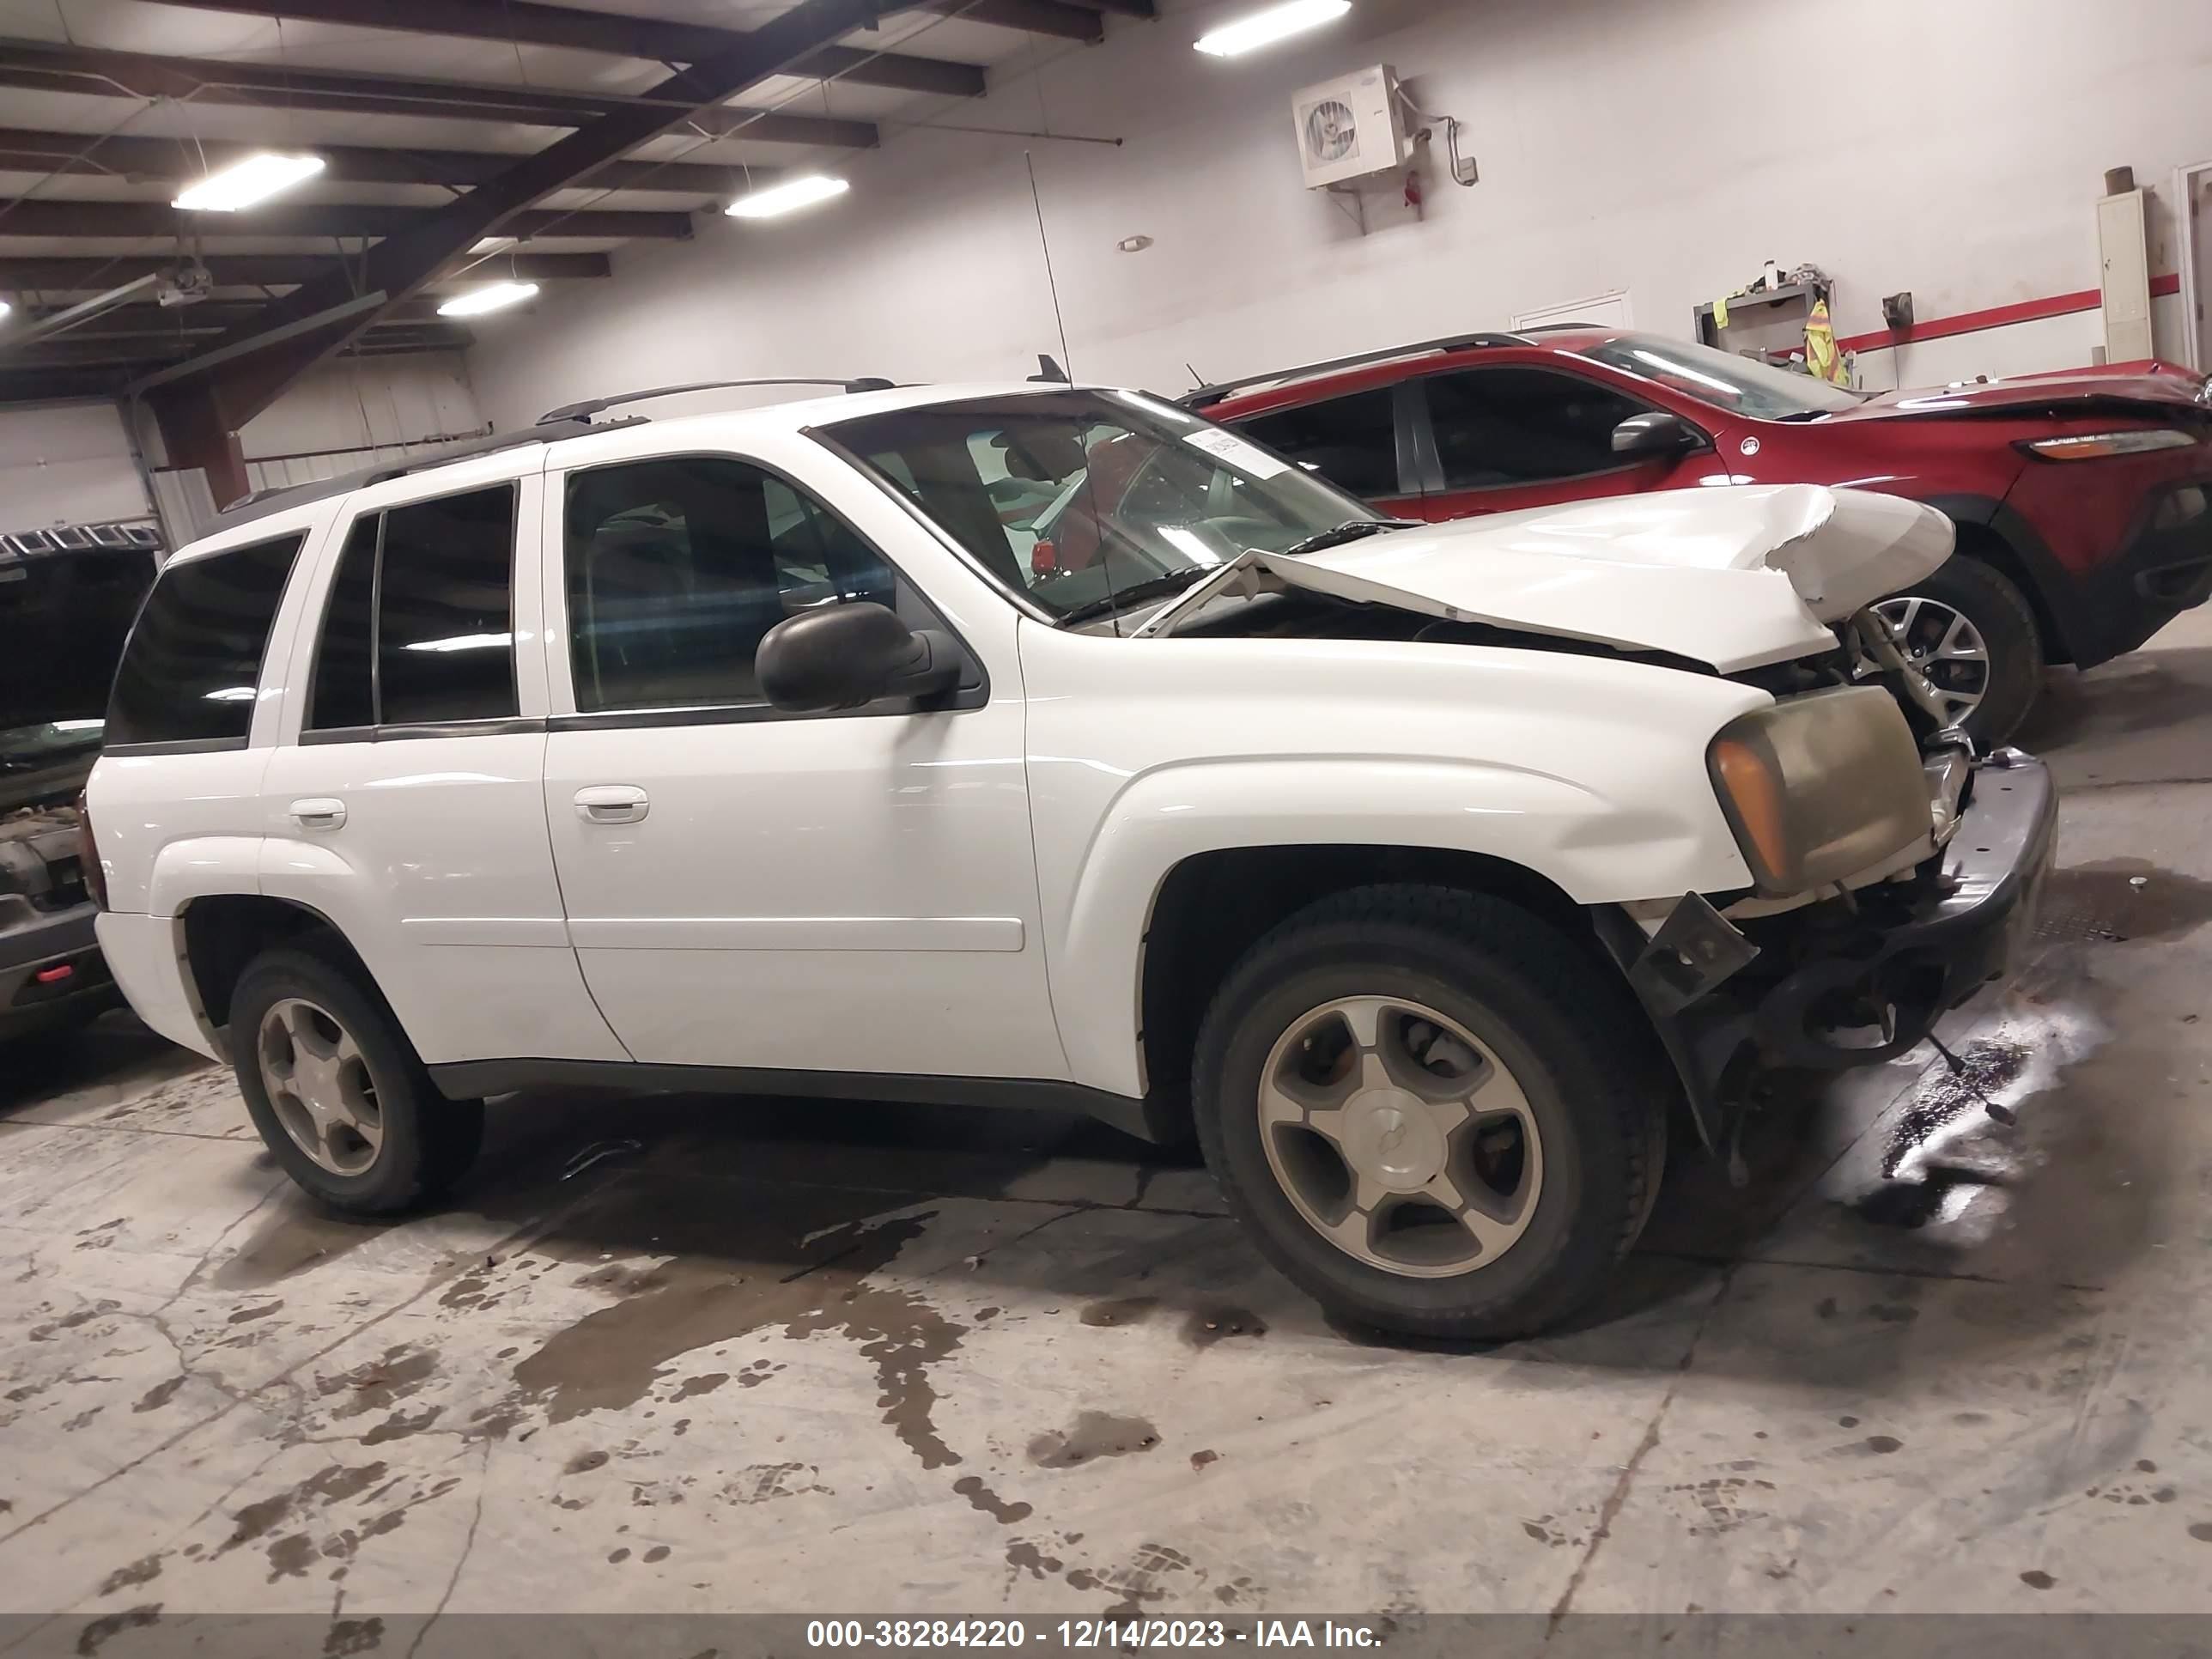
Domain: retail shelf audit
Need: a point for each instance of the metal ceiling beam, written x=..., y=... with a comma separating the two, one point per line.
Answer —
x=402, y=264
x=146, y=321
x=651, y=38
x=49, y=67
x=50, y=385
x=171, y=160
x=1053, y=18
x=44, y=217
x=46, y=276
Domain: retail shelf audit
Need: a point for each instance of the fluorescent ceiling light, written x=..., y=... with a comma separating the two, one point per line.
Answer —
x=498, y=297
x=802, y=191
x=5, y=307
x=243, y=183
x=1264, y=28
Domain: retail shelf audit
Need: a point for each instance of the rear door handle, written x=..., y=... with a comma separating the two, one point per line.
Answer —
x=319, y=812
x=612, y=803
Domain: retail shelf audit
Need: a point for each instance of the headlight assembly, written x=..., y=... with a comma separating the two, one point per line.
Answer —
x=2096, y=446
x=1820, y=787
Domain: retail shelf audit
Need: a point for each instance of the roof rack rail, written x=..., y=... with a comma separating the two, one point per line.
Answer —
x=263, y=503
x=592, y=406
x=1561, y=328
x=1207, y=395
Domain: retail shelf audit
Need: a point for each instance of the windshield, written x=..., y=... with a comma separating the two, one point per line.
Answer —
x=1071, y=498
x=1742, y=385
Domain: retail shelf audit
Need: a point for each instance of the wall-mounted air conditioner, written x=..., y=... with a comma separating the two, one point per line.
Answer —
x=1351, y=126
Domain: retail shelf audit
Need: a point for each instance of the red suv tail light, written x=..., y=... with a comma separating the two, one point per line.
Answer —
x=88, y=855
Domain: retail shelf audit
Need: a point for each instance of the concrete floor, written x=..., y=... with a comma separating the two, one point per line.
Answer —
x=683, y=1354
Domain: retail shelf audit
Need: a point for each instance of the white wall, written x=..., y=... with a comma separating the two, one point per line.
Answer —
x=1665, y=147
x=65, y=465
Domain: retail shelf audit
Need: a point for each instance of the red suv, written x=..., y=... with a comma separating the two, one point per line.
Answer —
x=2080, y=498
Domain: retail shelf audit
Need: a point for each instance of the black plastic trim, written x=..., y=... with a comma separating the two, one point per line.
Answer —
x=180, y=746
x=468, y=1079
x=499, y=726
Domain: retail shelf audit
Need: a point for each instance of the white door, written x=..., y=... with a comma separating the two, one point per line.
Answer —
x=1603, y=311
x=409, y=809
x=2192, y=207
x=846, y=893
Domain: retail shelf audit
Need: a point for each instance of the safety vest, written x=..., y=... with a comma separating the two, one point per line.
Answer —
x=1822, y=358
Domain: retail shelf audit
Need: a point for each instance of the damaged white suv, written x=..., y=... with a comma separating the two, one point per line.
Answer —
x=1030, y=744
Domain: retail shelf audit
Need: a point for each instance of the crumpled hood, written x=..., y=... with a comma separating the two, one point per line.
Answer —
x=1732, y=575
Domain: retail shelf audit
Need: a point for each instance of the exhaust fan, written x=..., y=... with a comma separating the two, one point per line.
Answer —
x=1350, y=127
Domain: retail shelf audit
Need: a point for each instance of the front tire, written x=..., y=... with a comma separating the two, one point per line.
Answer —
x=1436, y=1113
x=336, y=1090
x=1974, y=635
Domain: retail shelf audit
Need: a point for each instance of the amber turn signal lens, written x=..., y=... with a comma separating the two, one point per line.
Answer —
x=1756, y=793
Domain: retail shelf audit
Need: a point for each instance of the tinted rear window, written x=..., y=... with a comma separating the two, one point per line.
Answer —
x=192, y=666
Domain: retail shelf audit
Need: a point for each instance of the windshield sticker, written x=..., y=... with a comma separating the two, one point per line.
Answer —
x=1228, y=447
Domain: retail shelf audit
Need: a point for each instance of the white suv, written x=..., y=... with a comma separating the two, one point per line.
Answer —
x=1424, y=872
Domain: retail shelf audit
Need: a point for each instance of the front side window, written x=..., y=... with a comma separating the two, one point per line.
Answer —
x=1138, y=497
x=1353, y=441
x=419, y=627
x=192, y=668
x=677, y=567
x=1516, y=426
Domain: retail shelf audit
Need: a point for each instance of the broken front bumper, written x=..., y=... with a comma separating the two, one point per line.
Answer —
x=1849, y=981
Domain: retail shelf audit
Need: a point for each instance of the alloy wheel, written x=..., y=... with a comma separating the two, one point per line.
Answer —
x=320, y=1086
x=1945, y=647
x=1399, y=1137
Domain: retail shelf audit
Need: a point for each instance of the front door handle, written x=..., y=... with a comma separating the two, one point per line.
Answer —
x=319, y=812
x=612, y=803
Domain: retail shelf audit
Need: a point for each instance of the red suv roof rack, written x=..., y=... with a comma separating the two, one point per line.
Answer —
x=1207, y=395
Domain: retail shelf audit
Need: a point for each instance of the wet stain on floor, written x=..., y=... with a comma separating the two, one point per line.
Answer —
x=1092, y=1435
x=2121, y=899
x=1207, y=1326
x=295, y=1240
x=1123, y=1310
x=796, y=1261
x=971, y=1487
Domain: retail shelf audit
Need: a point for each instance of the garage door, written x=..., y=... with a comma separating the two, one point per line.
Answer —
x=68, y=464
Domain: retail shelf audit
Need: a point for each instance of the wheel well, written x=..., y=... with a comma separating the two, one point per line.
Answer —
x=224, y=931
x=1213, y=906
x=1982, y=541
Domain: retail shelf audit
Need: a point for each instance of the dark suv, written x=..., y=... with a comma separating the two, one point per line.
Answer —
x=2080, y=498
x=67, y=598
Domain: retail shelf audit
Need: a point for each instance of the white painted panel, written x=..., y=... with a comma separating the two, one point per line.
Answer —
x=67, y=464
x=1606, y=310
x=355, y=404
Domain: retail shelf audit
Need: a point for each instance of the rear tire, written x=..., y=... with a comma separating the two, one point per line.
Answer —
x=337, y=1092
x=1553, y=1164
x=1963, y=586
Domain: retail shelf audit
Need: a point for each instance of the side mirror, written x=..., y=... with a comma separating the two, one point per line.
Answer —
x=1647, y=437
x=841, y=656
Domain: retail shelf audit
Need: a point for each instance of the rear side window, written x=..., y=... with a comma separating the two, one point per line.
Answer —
x=192, y=666
x=420, y=625
x=1352, y=441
